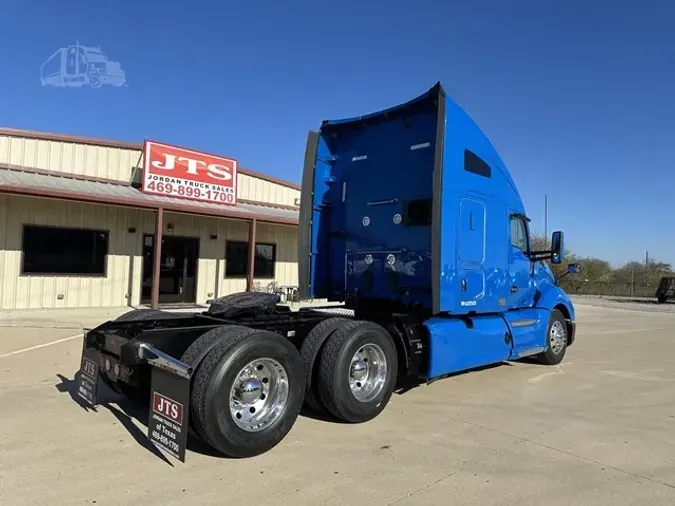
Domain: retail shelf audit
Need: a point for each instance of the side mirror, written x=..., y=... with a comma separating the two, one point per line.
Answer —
x=557, y=247
x=573, y=269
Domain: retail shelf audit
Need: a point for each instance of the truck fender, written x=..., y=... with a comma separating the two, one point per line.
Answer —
x=411, y=338
x=396, y=333
x=553, y=297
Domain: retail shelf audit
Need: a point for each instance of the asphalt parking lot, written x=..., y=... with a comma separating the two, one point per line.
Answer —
x=598, y=429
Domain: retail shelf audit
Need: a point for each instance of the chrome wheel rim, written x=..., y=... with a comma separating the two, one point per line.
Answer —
x=367, y=372
x=558, y=337
x=259, y=394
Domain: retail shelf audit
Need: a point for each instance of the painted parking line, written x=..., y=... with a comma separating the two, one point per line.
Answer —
x=625, y=331
x=51, y=343
x=649, y=309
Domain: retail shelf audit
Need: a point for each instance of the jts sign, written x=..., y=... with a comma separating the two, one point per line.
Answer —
x=177, y=172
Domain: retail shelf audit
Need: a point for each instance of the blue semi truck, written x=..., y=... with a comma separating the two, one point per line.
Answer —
x=410, y=219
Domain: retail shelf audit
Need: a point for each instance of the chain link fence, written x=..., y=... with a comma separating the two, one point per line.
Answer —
x=576, y=287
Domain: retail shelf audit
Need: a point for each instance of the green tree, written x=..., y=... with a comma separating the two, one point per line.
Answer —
x=640, y=274
x=595, y=269
x=597, y=276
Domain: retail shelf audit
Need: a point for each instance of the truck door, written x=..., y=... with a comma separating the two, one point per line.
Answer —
x=471, y=252
x=521, y=289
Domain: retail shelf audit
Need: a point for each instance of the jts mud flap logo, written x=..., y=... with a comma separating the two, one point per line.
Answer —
x=167, y=408
x=89, y=367
x=169, y=412
x=87, y=379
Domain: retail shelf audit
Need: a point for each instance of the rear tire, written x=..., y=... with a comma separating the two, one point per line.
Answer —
x=310, y=349
x=248, y=392
x=556, y=340
x=196, y=353
x=357, y=371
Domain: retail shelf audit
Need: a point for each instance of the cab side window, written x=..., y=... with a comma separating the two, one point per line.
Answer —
x=519, y=234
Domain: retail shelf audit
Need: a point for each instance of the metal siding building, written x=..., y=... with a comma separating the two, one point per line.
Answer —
x=67, y=182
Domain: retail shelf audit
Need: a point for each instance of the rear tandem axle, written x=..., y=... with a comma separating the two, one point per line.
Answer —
x=246, y=367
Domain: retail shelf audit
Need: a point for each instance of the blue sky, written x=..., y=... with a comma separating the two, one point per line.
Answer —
x=577, y=96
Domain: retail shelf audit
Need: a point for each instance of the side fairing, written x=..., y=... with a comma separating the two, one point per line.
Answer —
x=312, y=237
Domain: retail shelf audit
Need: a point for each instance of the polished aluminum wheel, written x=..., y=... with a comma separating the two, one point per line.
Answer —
x=259, y=394
x=558, y=337
x=368, y=372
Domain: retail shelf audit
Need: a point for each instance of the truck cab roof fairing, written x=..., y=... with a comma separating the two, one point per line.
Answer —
x=427, y=97
x=433, y=102
x=437, y=96
x=455, y=133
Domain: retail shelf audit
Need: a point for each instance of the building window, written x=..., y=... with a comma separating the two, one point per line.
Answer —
x=236, y=259
x=64, y=251
x=476, y=165
x=236, y=256
x=519, y=234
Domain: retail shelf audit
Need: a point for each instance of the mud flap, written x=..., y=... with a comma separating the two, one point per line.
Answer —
x=87, y=381
x=169, y=403
x=169, y=411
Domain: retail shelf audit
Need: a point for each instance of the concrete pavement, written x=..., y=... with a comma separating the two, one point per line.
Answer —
x=598, y=429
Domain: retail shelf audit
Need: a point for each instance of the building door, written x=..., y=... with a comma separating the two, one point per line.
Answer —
x=178, y=269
